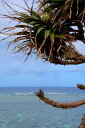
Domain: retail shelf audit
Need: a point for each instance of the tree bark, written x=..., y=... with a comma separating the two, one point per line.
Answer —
x=80, y=86
x=82, y=125
x=62, y=62
x=76, y=59
x=40, y=94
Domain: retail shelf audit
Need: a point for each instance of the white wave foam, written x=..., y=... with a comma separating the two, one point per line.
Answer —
x=31, y=93
x=23, y=93
x=14, y=94
x=56, y=93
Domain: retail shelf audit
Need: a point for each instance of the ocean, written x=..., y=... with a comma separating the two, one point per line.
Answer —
x=20, y=108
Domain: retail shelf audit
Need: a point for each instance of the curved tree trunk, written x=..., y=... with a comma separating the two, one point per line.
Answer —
x=82, y=125
x=80, y=86
x=40, y=94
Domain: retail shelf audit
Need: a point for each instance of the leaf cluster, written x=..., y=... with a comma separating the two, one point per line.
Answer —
x=50, y=31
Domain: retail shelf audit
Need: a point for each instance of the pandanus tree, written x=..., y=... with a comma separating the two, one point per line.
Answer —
x=65, y=17
x=49, y=32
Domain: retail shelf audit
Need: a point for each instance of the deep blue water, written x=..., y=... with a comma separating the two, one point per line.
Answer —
x=20, y=108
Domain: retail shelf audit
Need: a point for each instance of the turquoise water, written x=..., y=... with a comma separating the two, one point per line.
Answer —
x=20, y=108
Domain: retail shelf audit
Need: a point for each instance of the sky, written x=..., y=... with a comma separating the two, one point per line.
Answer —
x=34, y=72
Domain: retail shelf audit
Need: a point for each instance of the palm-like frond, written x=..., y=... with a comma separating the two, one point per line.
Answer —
x=50, y=34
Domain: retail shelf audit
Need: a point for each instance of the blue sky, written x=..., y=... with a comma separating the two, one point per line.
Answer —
x=35, y=72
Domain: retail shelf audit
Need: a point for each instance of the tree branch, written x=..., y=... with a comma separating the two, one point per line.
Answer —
x=40, y=94
x=63, y=62
x=80, y=86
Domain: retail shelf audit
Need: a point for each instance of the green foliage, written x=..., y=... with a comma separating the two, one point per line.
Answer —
x=49, y=31
x=45, y=17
